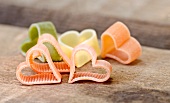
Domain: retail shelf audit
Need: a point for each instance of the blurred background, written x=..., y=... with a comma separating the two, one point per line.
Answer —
x=148, y=20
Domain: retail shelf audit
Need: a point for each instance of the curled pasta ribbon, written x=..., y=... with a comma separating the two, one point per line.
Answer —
x=69, y=40
x=39, y=50
x=117, y=43
x=76, y=76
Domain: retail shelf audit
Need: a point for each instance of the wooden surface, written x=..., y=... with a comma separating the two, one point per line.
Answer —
x=148, y=20
x=146, y=80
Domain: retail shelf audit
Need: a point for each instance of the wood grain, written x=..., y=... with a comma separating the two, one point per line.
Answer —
x=148, y=20
x=145, y=80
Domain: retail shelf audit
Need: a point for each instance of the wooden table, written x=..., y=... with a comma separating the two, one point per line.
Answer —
x=146, y=80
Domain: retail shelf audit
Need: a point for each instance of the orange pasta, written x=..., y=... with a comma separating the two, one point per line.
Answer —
x=36, y=51
x=117, y=43
x=76, y=76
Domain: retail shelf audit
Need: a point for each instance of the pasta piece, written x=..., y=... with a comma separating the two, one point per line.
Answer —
x=38, y=50
x=71, y=39
x=35, y=31
x=76, y=76
x=116, y=43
